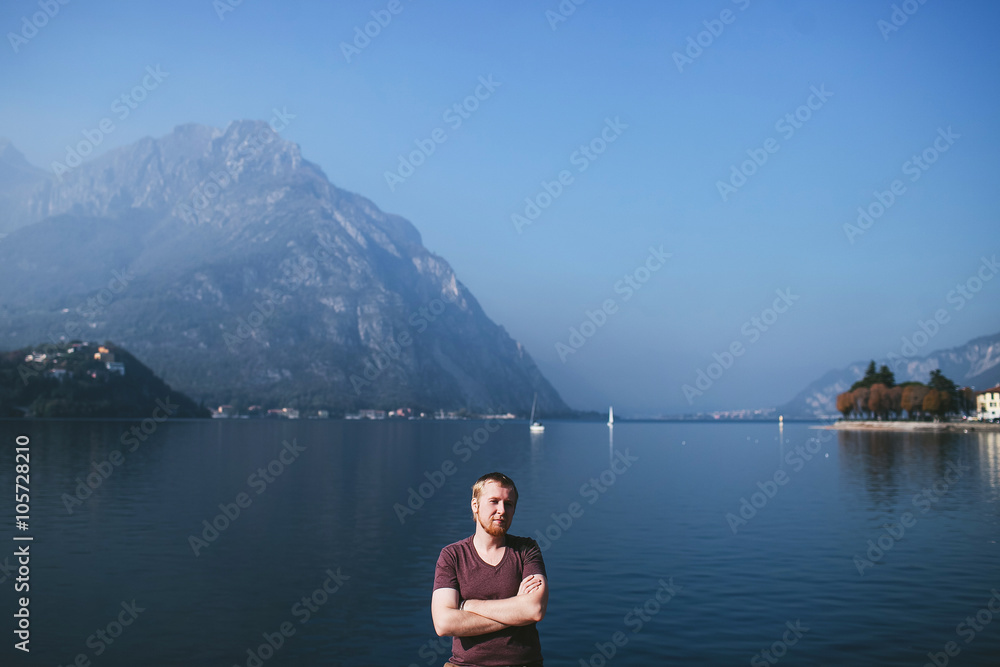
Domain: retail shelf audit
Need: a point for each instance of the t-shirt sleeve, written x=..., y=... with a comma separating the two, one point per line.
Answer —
x=446, y=572
x=533, y=563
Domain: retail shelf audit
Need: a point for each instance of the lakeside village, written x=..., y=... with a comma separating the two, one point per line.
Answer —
x=57, y=380
x=256, y=411
x=877, y=397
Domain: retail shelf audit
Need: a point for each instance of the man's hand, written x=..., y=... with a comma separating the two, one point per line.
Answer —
x=525, y=608
x=530, y=584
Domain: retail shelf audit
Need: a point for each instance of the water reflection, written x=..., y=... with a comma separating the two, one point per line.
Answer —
x=781, y=443
x=611, y=444
x=888, y=467
x=989, y=456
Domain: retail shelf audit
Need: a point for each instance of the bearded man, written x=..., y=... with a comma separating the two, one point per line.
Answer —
x=490, y=588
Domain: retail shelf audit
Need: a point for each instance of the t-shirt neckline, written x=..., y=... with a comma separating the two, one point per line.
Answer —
x=506, y=550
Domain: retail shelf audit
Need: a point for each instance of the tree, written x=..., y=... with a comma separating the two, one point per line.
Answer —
x=950, y=398
x=896, y=401
x=845, y=403
x=937, y=402
x=967, y=400
x=878, y=400
x=860, y=396
x=885, y=376
x=912, y=399
x=941, y=383
x=870, y=378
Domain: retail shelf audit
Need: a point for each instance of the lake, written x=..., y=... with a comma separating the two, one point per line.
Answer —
x=313, y=542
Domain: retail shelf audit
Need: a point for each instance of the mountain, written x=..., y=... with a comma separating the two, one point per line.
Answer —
x=18, y=181
x=234, y=269
x=975, y=364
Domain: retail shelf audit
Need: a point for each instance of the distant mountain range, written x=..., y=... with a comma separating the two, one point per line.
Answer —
x=235, y=270
x=976, y=364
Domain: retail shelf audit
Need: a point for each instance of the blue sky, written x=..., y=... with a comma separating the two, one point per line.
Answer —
x=679, y=131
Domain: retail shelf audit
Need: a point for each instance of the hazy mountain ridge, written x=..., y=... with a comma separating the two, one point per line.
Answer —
x=976, y=363
x=244, y=274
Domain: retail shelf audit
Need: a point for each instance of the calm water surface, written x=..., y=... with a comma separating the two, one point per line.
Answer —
x=652, y=512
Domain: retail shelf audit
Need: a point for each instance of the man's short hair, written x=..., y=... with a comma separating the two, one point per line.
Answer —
x=498, y=477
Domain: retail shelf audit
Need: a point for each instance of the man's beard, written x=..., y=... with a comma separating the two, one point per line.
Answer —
x=496, y=530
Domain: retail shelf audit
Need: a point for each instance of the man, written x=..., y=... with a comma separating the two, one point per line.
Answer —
x=490, y=588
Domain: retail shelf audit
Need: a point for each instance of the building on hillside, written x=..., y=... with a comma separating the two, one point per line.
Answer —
x=283, y=413
x=224, y=412
x=988, y=403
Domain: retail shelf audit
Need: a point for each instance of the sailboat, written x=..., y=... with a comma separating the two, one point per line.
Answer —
x=611, y=416
x=535, y=427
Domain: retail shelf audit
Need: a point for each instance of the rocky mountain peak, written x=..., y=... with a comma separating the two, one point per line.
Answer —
x=243, y=273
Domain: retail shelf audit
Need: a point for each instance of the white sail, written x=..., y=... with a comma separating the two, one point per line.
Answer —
x=611, y=416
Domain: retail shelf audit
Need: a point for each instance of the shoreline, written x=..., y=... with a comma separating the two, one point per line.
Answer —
x=955, y=427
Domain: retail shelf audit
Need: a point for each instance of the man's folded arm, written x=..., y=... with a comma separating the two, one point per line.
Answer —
x=527, y=607
x=450, y=621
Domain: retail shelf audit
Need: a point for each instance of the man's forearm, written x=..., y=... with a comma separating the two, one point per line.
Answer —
x=469, y=624
x=518, y=610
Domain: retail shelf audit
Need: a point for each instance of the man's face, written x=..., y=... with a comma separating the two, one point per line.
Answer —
x=495, y=508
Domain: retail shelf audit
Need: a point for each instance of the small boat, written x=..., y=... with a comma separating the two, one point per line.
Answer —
x=611, y=416
x=535, y=427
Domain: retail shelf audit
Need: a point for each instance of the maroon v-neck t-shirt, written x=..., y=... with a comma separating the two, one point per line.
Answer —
x=460, y=567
